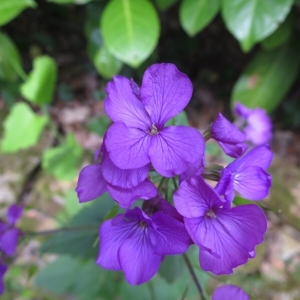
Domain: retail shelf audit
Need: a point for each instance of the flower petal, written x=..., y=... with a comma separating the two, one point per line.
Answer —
x=126, y=197
x=91, y=183
x=127, y=147
x=229, y=292
x=165, y=92
x=233, y=150
x=9, y=241
x=14, y=213
x=175, y=148
x=122, y=104
x=3, y=269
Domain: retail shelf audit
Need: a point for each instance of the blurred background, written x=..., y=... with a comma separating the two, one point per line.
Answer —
x=56, y=58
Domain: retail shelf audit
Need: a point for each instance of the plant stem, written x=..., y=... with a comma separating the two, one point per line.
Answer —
x=63, y=229
x=175, y=183
x=194, y=277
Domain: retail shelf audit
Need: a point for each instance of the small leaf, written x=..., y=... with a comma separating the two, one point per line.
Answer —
x=268, y=77
x=196, y=14
x=164, y=4
x=99, y=125
x=106, y=64
x=9, y=9
x=252, y=21
x=22, y=128
x=130, y=30
x=10, y=61
x=39, y=87
x=63, y=161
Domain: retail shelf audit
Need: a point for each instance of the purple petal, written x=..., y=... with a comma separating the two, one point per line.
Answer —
x=165, y=92
x=171, y=235
x=135, y=89
x=3, y=269
x=123, y=178
x=175, y=148
x=126, y=197
x=225, y=186
x=229, y=292
x=9, y=241
x=127, y=147
x=122, y=105
x=241, y=110
x=14, y=213
x=91, y=183
x=233, y=150
x=194, y=197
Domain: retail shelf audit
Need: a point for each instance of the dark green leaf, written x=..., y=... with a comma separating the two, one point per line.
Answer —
x=22, y=128
x=268, y=77
x=196, y=14
x=164, y=4
x=99, y=125
x=130, y=30
x=252, y=21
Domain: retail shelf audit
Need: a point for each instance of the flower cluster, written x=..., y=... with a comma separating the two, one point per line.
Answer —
x=139, y=144
x=9, y=236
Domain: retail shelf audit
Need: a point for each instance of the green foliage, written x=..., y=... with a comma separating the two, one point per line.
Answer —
x=196, y=14
x=80, y=241
x=164, y=4
x=252, y=21
x=99, y=125
x=22, y=128
x=39, y=87
x=63, y=161
x=130, y=30
x=10, y=61
x=180, y=119
x=171, y=268
x=9, y=9
x=268, y=77
x=70, y=1
x=106, y=64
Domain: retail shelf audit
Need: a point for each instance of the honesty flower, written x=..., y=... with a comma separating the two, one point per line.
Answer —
x=226, y=236
x=3, y=269
x=139, y=136
x=136, y=242
x=124, y=186
x=247, y=175
x=258, y=127
x=9, y=234
x=229, y=137
x=229, y=292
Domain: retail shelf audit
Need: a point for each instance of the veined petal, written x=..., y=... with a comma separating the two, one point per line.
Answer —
x=165, y=92
x=233, y=150
x=14, y=213
x=91, y=183
x=126, y=197
x=252, y=183
x=174, y=148
x=9, y=241
x=122, y=104
x=127, y=147
x=229, y=292
x=225, y=186
x=123, y=178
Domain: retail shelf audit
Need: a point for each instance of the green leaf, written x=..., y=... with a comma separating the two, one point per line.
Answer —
x=39, y=87
x=9, y=9
x=70, y=1
x=268, y=77
x=251, y=21
x=196, y=14
x=63, y=161
x=171, y=268
x=280, y=35
x=130, y=30
x=164, y=4
x=85, y=280
x=99, y=125
x=80, y=242
x=106, y=64
x=180, y=119
x=10, y=61
x=22, y=128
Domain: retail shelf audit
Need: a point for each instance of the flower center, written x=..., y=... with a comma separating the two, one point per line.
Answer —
x=142, y=224
x=210, y=213
x=153, y=130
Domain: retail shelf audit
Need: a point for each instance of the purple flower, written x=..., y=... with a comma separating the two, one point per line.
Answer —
x=229, y=137
x=247, y=175
x=136, y=242
x=9, y=234
x=258, y=128
x=226, y=236
x=3, y=269
x=124, y=186
x=229, y=292
x=139, y=136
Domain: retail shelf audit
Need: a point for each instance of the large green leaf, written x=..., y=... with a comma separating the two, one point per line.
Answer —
x=252, y=21
x=22, y=128
x=11, y=8
x=80, y=242
x=164, y=4
x=63, y=161
x=130, y=30
x=10, y=61
x=268, y=77
x=196, y=14
x=70, y=1
x=39, y=87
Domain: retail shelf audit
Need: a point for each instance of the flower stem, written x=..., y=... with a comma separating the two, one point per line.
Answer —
x=194, y=277
x=175, y=183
